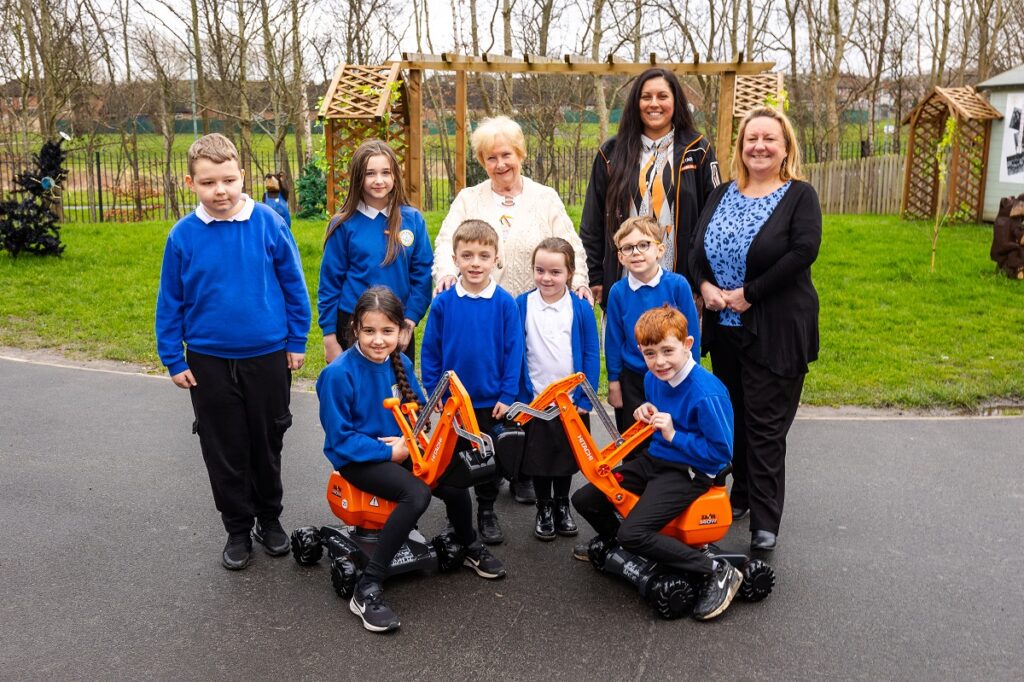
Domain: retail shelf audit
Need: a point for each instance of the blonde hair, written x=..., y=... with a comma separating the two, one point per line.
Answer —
x=492, y=131
x=646, y=225
x=790, y=169
x=478, y=231
x=213, y=147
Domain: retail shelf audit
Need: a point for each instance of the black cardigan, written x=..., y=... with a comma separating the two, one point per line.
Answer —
x=696, y=174
x=781, y=325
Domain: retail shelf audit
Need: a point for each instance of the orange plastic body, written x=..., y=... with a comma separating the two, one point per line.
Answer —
x=706, y=520
x=430, y=457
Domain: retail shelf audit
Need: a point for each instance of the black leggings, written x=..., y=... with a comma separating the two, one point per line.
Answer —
x=396, y=483
x=543, y=485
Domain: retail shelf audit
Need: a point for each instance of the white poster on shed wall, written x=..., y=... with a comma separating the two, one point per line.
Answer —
x=1011, y=165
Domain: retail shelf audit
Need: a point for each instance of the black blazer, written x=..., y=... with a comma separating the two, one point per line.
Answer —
x=696, y=174
x=781, y=325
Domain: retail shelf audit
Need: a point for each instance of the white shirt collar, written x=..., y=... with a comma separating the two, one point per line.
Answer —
x=683, y=373
x=488, y=291
x=635, y=284
x=651, y=145
x=564, y=303
x=370, y=360
x=371, y=212
x=244, y=214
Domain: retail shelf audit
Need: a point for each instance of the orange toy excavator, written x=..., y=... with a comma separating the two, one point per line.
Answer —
x=434, y=461
x=704, y=522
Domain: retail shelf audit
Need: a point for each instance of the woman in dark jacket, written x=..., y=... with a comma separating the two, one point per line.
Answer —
x=657, y=165
x=752, y=256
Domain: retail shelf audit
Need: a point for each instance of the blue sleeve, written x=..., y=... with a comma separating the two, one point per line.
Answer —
x=684, y=300
x=591, y=353
x=430, y=350
x=286, y=214
x=613, y=337
x=342, y=444
x=333, y=269
x=288, y=267
x=513, y=351
x=170, y=312
x=709, y=448
x=525, y=386
x=420, y=263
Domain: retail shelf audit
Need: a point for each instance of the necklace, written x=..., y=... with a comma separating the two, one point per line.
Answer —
x=508, y=201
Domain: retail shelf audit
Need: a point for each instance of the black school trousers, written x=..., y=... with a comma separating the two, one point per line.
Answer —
x=242, y=411
x=396, y=483
x=666, y=489
x=764, y=405
x=633, y=396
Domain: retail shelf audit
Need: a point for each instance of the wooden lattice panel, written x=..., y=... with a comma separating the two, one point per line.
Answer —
x=968, y=104
x=922, y=183
x=756, y=91
x=359, y=91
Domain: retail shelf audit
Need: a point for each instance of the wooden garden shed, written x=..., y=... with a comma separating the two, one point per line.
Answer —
x=1005, y=174
x=968, y=157
x=387, y=101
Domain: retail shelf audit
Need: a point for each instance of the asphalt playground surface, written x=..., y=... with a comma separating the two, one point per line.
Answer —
x=896, y=560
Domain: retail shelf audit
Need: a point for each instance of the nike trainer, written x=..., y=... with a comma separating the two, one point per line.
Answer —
x=718, y=592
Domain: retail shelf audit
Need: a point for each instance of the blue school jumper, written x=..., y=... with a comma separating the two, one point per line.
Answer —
x=280, y=206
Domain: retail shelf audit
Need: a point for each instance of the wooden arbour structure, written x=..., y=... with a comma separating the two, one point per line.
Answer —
x=366, y=101
x=968, y=159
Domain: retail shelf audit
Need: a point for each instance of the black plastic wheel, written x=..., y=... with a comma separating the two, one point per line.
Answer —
x=344, y=576
x=449, y=552
x=671, y=596
x=306, y=547
x=598, y=550
x=758, y=580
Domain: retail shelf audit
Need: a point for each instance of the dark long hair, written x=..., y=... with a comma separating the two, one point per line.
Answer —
x=625, y=158
x=357, y=174
x=383, y=300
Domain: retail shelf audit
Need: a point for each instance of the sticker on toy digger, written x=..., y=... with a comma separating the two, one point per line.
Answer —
x=708, y=519
x=374, y=502
x=406, y=237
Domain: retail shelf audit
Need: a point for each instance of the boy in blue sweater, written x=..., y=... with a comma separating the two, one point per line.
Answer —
x=645, y=286
x=692, y=443
x=232, y=315
x=473, y=328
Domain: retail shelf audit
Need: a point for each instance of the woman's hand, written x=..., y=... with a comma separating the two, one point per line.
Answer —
x=584, y=293
x=662, y=421
x=735, y=300
x=615, y=394
x=644, y=413
x=332, y=348
x=445, y=283
x=405, y=334
x=399, y=451
x=714, y=298
x=595, y=291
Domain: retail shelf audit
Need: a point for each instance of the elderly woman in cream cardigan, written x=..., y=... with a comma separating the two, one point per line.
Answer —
x=523, y=213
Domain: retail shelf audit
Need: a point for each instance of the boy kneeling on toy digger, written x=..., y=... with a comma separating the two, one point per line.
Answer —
x=693, y=421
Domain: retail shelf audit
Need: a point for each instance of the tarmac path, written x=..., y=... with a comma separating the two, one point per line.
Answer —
x=895, y=561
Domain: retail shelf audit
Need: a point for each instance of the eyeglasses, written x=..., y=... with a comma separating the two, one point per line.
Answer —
x=639, y=247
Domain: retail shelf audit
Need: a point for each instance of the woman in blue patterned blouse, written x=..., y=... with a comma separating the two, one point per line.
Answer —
x=754, y=246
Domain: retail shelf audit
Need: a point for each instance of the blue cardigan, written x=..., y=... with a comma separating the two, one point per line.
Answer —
x=586, y=349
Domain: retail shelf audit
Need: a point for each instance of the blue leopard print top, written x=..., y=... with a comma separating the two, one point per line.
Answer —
x=735, y=223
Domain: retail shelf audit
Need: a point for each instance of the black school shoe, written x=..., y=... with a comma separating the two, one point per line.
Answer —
x=368, y=603
x=565, y=525
x=488, y=527
x=480, y=559
x=523, y=491
x=237, y=552
x=271, y=535
x=718, y=592
x=544, y=527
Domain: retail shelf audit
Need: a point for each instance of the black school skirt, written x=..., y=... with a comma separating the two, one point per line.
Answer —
x=547, y=449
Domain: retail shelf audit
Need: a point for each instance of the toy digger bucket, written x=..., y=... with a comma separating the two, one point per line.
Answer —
x=468, y=467
x=509, y=448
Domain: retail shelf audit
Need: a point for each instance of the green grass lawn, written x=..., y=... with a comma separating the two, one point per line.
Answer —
x=892, y=333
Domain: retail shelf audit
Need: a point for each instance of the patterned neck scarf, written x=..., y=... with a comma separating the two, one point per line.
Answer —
x=656, y=185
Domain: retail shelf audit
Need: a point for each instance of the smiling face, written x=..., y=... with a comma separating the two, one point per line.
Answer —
x=667, y=357
x=378, y=181
x=218, y=186
x=643, y=264
x=503, y=165
x=656, y=107
x=377, y=335
x=764, y=147
x=475, y=262
x=550, y=274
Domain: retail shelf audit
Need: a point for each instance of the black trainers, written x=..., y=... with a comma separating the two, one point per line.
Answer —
x=581, y=551
x=237, y=552
x=271, y=535
x=368, y=603
x=718, y=592
x=523, y=491
x=480, y=559
x=489, y=528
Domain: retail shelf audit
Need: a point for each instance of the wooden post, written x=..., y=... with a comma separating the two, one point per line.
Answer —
x=980, y=211
x=331, y=160
x=723, y=143
x=460, y=131
x=414, y=158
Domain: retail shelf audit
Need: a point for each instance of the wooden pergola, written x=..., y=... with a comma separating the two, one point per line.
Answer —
x=375, y=101
x=968, y=158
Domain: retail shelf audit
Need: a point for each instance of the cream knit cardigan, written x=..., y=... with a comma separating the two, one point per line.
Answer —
x=539, y=215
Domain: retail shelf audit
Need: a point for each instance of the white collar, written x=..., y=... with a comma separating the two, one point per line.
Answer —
x=371, y=212
x=564, y=303
x=635, y=284
x=370, y=360
x=488, y=291
x=651, y=145
x=683, y=373
x=244, y=214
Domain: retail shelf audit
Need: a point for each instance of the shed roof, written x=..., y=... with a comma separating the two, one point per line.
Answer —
x=1014, y=76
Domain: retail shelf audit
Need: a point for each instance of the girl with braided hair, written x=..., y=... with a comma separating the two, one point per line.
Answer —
x=364, y=444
